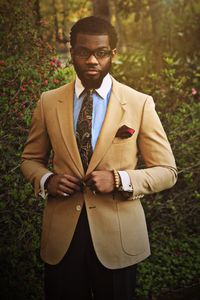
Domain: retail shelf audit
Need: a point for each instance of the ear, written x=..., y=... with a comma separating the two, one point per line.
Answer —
x=71, y=53
x=114, y=51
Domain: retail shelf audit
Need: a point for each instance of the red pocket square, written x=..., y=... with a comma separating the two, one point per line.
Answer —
x=125, y=132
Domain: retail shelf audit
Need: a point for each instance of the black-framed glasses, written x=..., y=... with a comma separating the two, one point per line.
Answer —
x=98, y=53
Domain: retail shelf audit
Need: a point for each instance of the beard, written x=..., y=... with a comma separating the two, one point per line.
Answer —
x=92, y=81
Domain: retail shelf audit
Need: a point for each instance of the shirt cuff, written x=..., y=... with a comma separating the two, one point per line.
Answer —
x=126, y=181
x=42, y=192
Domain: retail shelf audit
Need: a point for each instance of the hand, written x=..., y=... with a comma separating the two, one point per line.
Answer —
x=59, y=185
x=101, y=181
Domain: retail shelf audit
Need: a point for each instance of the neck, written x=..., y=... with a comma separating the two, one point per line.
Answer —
x=92, y=85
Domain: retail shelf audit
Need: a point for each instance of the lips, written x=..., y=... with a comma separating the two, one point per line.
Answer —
x=92, y=72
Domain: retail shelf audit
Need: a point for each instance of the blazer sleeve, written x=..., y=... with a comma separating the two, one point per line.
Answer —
x=37, y=149
x=160, y=172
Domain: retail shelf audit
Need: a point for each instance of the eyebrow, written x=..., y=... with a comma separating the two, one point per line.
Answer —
x=99, y=48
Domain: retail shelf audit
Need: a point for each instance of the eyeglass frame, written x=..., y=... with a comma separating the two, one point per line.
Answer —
x=94, y=53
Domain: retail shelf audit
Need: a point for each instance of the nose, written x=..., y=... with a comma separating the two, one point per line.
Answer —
x=92, y=60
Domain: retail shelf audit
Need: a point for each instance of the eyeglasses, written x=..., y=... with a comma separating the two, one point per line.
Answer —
x=98, y=53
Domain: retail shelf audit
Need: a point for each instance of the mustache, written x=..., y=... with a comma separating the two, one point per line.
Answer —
x=92, y=69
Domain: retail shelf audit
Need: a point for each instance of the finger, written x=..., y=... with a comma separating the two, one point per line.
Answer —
x=72, y=178
x=90, y=180
x=63, y=194
x=90, y=183
x=71, y=185
x=91, y=176
x=63, y=189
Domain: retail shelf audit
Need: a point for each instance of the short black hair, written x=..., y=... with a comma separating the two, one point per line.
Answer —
x=93, y=25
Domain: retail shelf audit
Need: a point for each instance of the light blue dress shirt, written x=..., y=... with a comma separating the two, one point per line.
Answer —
x=101, y=98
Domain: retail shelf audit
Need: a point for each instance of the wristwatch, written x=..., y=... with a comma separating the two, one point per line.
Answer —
x=119, y=187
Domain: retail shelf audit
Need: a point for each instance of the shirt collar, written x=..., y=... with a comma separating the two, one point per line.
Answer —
x=102, y=91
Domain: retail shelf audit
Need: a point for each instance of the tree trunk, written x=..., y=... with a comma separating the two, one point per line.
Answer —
x=66, y=26
x=55, y=22
x=37, y=11
x=119, y=28
x=101, y=9
x=156, y=13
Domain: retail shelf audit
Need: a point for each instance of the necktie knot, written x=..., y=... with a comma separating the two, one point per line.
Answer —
x=89, y=92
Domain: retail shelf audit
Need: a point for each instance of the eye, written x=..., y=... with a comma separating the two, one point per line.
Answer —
x=101, y=53
x=82, y=52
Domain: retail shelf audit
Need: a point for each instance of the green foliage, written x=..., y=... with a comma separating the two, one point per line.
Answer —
x=177, y=82
x=174, y=263
x=178, y=23
x=28, y=66
x=60, y=16
x=173, y=216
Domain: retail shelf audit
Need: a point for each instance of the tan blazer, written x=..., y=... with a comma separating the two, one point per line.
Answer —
x=118, y=226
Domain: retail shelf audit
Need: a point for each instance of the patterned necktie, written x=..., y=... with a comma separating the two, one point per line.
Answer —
x=84, y=129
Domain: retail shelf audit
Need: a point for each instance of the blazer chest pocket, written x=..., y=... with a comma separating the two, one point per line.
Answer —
x=118, y=140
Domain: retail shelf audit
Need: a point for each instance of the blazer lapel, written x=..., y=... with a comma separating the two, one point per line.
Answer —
x=114, y=115
x=65, y=117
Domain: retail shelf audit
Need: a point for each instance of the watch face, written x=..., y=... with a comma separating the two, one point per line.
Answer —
x=130, y=190
x=120, y=189
x=127, y=194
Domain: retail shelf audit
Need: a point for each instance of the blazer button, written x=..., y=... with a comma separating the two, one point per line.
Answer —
x=78, y=207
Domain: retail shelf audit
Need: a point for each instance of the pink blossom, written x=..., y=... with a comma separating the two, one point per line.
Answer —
x=194, y=91
x=46, y=82
x=22, y=89
x=56, y=80
x=59, y=63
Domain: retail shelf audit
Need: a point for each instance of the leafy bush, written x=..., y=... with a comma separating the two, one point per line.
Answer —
x=28, y=66
x=177, y=82
x=173, y=215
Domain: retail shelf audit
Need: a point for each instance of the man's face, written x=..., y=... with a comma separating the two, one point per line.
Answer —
x=92, y=58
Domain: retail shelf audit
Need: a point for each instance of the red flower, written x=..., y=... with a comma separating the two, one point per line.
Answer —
x=56, y=80
x=22, y=89
x=194, y=91
x=2, y=63
x=59, y=63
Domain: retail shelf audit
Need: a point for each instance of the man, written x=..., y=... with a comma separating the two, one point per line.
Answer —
x=94, y=230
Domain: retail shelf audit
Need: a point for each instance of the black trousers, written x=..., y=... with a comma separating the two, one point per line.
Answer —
x=80, y=275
